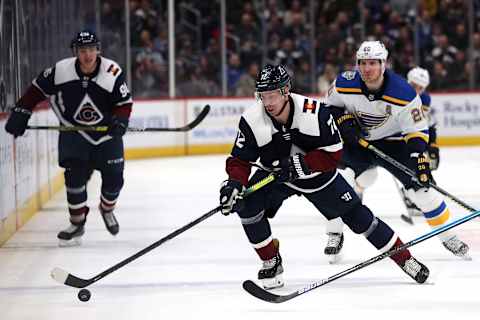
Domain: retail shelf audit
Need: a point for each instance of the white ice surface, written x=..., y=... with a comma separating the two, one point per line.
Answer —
x=198, y=275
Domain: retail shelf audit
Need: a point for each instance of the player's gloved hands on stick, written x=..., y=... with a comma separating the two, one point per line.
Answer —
x=229, y=196
x=434, y=155
x=17, y=122
x=349, y=129
x=422, y=168
x=118, y=127
x=292, y=168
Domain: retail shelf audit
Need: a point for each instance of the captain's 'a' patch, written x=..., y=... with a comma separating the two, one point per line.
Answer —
x=309, y=106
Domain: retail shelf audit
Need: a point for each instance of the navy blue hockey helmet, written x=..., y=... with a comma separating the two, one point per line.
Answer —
x=272, y=78
x=85, y=38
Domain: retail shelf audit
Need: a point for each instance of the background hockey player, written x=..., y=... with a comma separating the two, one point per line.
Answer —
x=85, y=90
x=419, y=79
x=380, y=106
x=296, y=137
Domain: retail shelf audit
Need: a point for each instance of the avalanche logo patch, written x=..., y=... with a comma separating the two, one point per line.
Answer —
x=87, y=113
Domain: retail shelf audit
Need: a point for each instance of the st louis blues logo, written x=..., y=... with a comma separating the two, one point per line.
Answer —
x=371, y=121
x=87, y=113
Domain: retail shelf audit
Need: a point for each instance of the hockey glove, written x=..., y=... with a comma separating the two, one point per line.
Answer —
x=349, y=129
x=17, y=122
x=292, y=168
x=118, y=127
x=434, y=156
x=422, y=169
x=229, y=196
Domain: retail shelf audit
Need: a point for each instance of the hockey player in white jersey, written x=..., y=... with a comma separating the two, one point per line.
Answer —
x=296, y=137
x=376, y=104
x=85, y=90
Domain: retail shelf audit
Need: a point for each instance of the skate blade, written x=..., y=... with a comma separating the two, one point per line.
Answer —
x=334, y=258
x=407, y=219
x=273, y=283
x=466, y=257
x=74, y=242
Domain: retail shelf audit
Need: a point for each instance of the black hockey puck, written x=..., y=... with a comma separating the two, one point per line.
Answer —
x=84, y=295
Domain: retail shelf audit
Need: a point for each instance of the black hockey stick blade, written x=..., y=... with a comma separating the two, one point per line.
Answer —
x=267, y=296
x=185, y=128
x=262, y=294
x=62, y=276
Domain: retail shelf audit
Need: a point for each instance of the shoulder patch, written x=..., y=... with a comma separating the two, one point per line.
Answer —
x=309, y=106
x=349, y=75
x=113, y=69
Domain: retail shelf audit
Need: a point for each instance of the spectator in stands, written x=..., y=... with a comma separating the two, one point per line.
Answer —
x=234, y=72
x=303, y=78
x=440, y=78
x=246, y=83
x=150, y=69
x=326, y=78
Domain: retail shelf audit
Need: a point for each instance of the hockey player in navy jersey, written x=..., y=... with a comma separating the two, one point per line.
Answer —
x=85, y=90
x=380, y=106
x=296, y=137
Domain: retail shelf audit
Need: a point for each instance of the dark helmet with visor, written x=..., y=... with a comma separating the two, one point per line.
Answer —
x=272, y=78
x=85, y=38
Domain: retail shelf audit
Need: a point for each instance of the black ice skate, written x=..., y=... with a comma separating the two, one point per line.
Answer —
x=72, y=236
x=415, y=269
x=334, y=246
x=271, y=272
x=110, y=221
x=412, y=209
x=457, y=247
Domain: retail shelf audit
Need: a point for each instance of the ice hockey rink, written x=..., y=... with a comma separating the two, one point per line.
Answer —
x=198, y=275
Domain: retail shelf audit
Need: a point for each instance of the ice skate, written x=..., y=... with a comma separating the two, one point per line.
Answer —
x=110, y=221
x=412, y=209
x=271, y=273
x=71, y=236
x=334, y=247
x=457, y=247
x=415, y=269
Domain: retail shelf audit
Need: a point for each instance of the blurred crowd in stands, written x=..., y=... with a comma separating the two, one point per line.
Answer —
x=314, y=39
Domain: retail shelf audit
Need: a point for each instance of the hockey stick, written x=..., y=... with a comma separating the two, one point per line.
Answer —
x=185, y=128
x=71, y=280
x=260, y=293
x=405, y=217
x=412, y=174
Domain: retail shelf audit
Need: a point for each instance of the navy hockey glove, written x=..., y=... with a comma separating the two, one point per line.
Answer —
x=17, y=122
x=434, y=156
x=229, y=196
x=349, y=129
x=422, y=169
x=118, y=127
x=292, y=168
